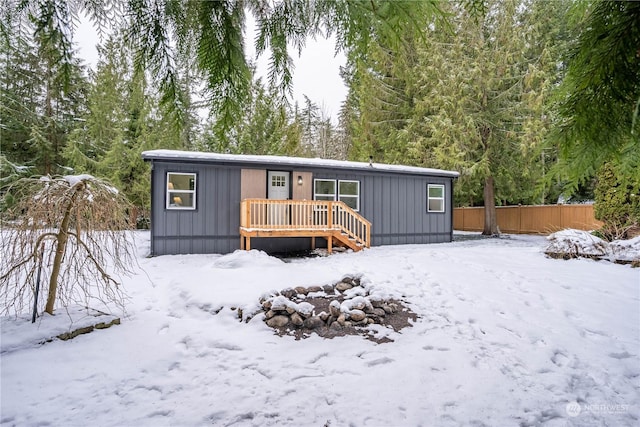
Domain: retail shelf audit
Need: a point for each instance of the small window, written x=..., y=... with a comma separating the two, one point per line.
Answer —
x=435, y=198
x=278, y=181
x=324, y=189
x=349, y=193
x=181, y=190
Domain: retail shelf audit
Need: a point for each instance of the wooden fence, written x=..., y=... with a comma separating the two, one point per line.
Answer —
x=543, y=219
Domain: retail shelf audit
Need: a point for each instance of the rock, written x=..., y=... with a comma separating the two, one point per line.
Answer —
x=105, y=325
x=348, y=324
x=270, y=314
x=358, y=303
x=334, y=308
x=387, y=309
x=297, y=320
x=357, y=315
x=374, y=319
x=330, y=320
x=394, y=307
x=240, y=313
x=288, y=293
x=328, y=289
x=335, y=326
x=266, y=305
x=290, y=310
x=378, y=312
x=355, y=291
x=313, y=322
x=305, y=309
x=324, y=316
x=341, y=319
x=278, y=321
x=70, y=335
x=370, y=321
x=347, y=279
x=301, y=290
x=368, y=308
x=314, y=289
x=342, y=286
x=376, y=303
x=279, y=303
x=356, y=281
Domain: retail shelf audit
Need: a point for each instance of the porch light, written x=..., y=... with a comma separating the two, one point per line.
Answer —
x=299, y=179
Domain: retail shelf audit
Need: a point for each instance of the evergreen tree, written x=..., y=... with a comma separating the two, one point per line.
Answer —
x=470, y=96
x=210, y=34
x=124, y=118
x=265, y=127
x=19, y=98
x=318, y=133
x=484, y=113
x=382, y=99
x=597, y=119
x=104, y=125
x=38, y=107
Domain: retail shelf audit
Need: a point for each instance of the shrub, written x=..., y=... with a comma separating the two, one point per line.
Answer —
x=617, y=202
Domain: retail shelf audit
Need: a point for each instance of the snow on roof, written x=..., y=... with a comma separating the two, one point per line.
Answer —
x=290, y=161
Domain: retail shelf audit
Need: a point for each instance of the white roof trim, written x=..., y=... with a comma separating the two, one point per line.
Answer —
x=290, y=161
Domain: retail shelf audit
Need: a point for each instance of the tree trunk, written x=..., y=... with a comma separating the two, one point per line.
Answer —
x=490, y=218
x=61, y=245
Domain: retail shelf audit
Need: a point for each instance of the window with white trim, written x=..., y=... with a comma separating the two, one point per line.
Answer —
x=345, y=191
x=435, y=198
x=324, y=189
x=181, y=190
x=349, y=193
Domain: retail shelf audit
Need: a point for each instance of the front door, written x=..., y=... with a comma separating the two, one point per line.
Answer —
x=278, y=189
x=278, y=185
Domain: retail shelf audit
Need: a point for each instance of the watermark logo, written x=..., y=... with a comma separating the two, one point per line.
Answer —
x=573, y=409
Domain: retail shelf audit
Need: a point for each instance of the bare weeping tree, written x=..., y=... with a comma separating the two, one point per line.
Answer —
x=73, y=229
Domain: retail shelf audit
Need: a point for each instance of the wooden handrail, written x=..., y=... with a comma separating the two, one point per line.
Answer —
x=354, y=225
x=311, y=215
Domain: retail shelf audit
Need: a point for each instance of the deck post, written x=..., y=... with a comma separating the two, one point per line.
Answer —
x=247, y=213
x=368, y=242
x=241, y=242
x=248, y=243
x=313, y=243
x=329, y=243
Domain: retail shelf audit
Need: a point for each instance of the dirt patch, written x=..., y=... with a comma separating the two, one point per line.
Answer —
x=344, y=308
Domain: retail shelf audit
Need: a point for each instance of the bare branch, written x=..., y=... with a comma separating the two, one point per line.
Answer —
x=79, y=270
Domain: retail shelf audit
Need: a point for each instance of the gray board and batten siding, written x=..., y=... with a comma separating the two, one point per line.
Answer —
x=393, y=198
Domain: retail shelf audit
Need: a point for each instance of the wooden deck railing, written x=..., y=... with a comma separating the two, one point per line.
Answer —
x=299, y=218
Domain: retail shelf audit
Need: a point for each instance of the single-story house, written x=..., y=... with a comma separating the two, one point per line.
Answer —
x=218, y=203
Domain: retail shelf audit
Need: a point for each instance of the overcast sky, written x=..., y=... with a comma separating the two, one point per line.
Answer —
x=316, y=71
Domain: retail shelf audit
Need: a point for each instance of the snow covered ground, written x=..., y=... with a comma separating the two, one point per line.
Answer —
x=506, y=336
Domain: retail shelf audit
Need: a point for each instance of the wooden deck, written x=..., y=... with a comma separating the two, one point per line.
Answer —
x=334, y=221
